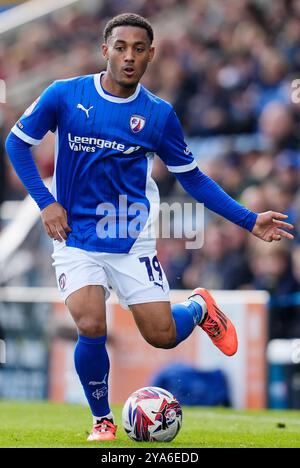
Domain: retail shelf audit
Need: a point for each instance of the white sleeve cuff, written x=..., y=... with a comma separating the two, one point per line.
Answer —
x=185, y=168
x=24, y=137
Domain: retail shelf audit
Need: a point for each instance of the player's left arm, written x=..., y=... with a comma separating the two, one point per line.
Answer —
x=174, y=152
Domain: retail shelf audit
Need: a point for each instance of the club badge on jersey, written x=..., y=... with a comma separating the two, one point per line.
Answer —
x=137, y=123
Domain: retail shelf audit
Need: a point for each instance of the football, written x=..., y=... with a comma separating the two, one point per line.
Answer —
x=152, y=414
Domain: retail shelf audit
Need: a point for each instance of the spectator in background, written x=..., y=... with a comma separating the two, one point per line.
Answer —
x=278, y=195
x=296, y=265
x=221, y=263
x=287, y=169
x=254, y=196
x=278, y=126
x=272, y=271
x=271, y=268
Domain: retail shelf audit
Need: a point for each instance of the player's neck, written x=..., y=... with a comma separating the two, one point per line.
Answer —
x=112, y=87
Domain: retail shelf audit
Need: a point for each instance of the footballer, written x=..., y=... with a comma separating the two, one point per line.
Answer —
x=108, y=127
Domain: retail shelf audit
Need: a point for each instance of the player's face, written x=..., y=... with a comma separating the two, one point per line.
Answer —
x=128, y=52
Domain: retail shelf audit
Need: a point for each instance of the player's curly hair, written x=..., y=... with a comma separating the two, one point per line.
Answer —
x=128, y=19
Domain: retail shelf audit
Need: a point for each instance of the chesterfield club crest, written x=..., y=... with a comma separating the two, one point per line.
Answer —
x=137, y=123
x=62, y=281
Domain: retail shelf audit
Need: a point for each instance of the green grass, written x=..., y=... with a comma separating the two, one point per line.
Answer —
x=62, y=425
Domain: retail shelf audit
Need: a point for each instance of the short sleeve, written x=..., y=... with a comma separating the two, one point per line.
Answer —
x=39, y=118
x=172, y=148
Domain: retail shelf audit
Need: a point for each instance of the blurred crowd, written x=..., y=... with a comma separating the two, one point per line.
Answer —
x=227, y=66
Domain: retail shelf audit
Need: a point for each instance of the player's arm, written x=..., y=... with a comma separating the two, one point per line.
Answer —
x=40, y=117
x=179, y=160
x=267, y=226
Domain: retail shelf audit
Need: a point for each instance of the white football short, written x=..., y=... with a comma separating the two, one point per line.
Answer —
x=135, y=278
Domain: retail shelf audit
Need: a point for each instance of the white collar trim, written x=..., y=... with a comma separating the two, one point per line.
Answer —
x=119, y=100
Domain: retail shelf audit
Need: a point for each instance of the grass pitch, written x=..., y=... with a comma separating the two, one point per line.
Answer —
x=63, y=425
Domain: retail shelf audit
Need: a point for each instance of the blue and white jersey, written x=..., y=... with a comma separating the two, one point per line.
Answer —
x=104, y=152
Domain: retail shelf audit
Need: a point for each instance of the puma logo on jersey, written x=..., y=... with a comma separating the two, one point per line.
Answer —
x=131, y=149
x=80, y=106
x=160, y=285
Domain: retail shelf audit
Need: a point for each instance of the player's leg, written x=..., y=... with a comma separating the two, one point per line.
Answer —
x=141, y=285
x=165, y=326
x=87, y=307
x=155, y=323
x=83, y=286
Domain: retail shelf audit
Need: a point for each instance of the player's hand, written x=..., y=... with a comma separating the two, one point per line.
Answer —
x=270, y=227
x=55, y=221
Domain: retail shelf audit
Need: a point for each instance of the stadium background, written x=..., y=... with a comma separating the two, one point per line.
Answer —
x=227, y=67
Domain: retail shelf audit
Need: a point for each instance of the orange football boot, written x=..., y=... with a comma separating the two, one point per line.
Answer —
x=218, y=327
x=105, y=430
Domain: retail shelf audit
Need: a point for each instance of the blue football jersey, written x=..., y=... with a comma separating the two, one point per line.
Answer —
x=104, y=150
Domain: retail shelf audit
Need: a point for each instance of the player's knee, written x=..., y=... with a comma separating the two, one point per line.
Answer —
x=90, y=327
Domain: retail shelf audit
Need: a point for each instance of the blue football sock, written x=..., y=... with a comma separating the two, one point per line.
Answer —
x=92, y=366
x=186, y=315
